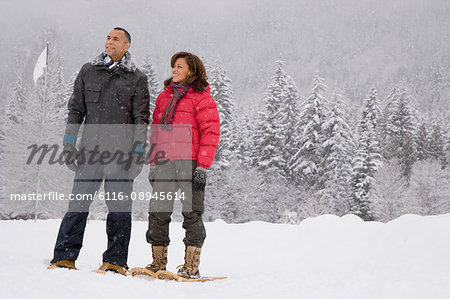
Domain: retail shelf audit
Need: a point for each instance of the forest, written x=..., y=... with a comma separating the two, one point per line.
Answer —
x=325, y=107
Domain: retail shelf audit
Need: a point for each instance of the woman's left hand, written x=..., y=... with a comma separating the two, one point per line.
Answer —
x=199, y=180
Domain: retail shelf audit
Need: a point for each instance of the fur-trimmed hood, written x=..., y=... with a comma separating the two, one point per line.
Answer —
x=128, y=64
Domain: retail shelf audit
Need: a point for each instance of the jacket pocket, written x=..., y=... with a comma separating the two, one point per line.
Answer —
x=92, y=94
x=124, y=95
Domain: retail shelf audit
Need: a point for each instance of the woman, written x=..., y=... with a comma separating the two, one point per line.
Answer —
x=185, y=135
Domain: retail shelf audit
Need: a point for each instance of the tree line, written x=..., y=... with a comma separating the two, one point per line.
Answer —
x=296, y=158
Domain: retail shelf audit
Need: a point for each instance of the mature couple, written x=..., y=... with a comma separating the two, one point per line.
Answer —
x=111, y=99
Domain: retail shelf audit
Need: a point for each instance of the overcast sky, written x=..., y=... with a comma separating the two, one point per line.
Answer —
x=350, y=42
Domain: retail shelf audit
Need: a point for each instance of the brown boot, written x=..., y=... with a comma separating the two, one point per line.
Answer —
x=63, y=264
x=159, y=255
x=111, y=267
x=191, y=263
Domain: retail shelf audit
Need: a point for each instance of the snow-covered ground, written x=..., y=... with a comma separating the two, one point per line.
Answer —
x=323, y=257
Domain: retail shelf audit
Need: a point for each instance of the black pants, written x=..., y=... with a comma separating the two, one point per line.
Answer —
x=169, y=178
x=88, y=180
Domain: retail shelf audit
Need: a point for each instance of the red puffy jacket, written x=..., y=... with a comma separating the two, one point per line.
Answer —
x=195, y=128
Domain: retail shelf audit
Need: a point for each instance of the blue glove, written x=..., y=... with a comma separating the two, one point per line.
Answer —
x=138, y=149
x=70, y=139
x=137, y=153
x=70, y=152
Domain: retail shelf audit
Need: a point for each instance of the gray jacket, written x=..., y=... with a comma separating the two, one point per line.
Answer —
x=113, y=106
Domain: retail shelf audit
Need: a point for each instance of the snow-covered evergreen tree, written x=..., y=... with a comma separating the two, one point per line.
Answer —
x=17, y=105
x=290, y=111
x=367, y=159
x=307, y=161
x=221, y=91
x=51, y=96
x=401, y=130
x=370, y=113
x=154, y=87
x=437, y=145
x=407, y=156
x=422, y=147
x=15, y=175
x=269, y=137
x=41, y=122
x=69, y=89
x=338, y=147
x=244, y=146
x=386, y=139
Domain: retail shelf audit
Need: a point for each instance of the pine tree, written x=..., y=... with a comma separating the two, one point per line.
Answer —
x=371, y=112
x=50, y=108
x=53, y=109
x=387, y=142
x=422, y=150
x=17, y=103
x=15, y=175
x=308, y=159
x=41, y=122
x=407, y=156
x=396, y=130
x=68, y=93
x=338, y=148
x=152, y=80
x=270, y=135
x=222, y=92
x=437, y=146
x=290, y=118
x=401, y=130
x=367, y=159
x=244, y=142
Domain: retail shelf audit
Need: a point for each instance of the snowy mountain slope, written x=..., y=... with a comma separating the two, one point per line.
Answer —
x=323, y=257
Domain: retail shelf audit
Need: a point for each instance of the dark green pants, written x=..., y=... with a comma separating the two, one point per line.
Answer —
x=169, y=178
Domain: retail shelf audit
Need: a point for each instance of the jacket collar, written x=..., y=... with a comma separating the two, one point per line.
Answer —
x=128, y=64
x=207, y=89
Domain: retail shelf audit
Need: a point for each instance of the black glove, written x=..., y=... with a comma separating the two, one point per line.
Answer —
x=70, y=154
x=151, y=175
x=199, y=180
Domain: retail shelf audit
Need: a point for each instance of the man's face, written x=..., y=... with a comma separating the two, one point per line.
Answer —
x=116, y=44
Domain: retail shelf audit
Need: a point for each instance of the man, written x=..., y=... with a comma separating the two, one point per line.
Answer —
x=111, y=99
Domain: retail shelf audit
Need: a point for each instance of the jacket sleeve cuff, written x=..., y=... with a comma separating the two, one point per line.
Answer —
x=203, y=166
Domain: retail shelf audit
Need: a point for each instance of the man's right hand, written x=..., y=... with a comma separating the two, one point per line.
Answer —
x=70, y=152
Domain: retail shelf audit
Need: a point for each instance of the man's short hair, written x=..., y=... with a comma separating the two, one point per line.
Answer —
x=127, y=34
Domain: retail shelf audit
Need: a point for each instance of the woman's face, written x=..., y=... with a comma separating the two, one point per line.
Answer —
x=180, y=71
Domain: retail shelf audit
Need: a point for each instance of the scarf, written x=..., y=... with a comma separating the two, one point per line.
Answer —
x=111, y=64
x=179, y=91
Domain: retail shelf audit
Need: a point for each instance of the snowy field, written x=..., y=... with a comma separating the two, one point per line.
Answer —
x=323, y=257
